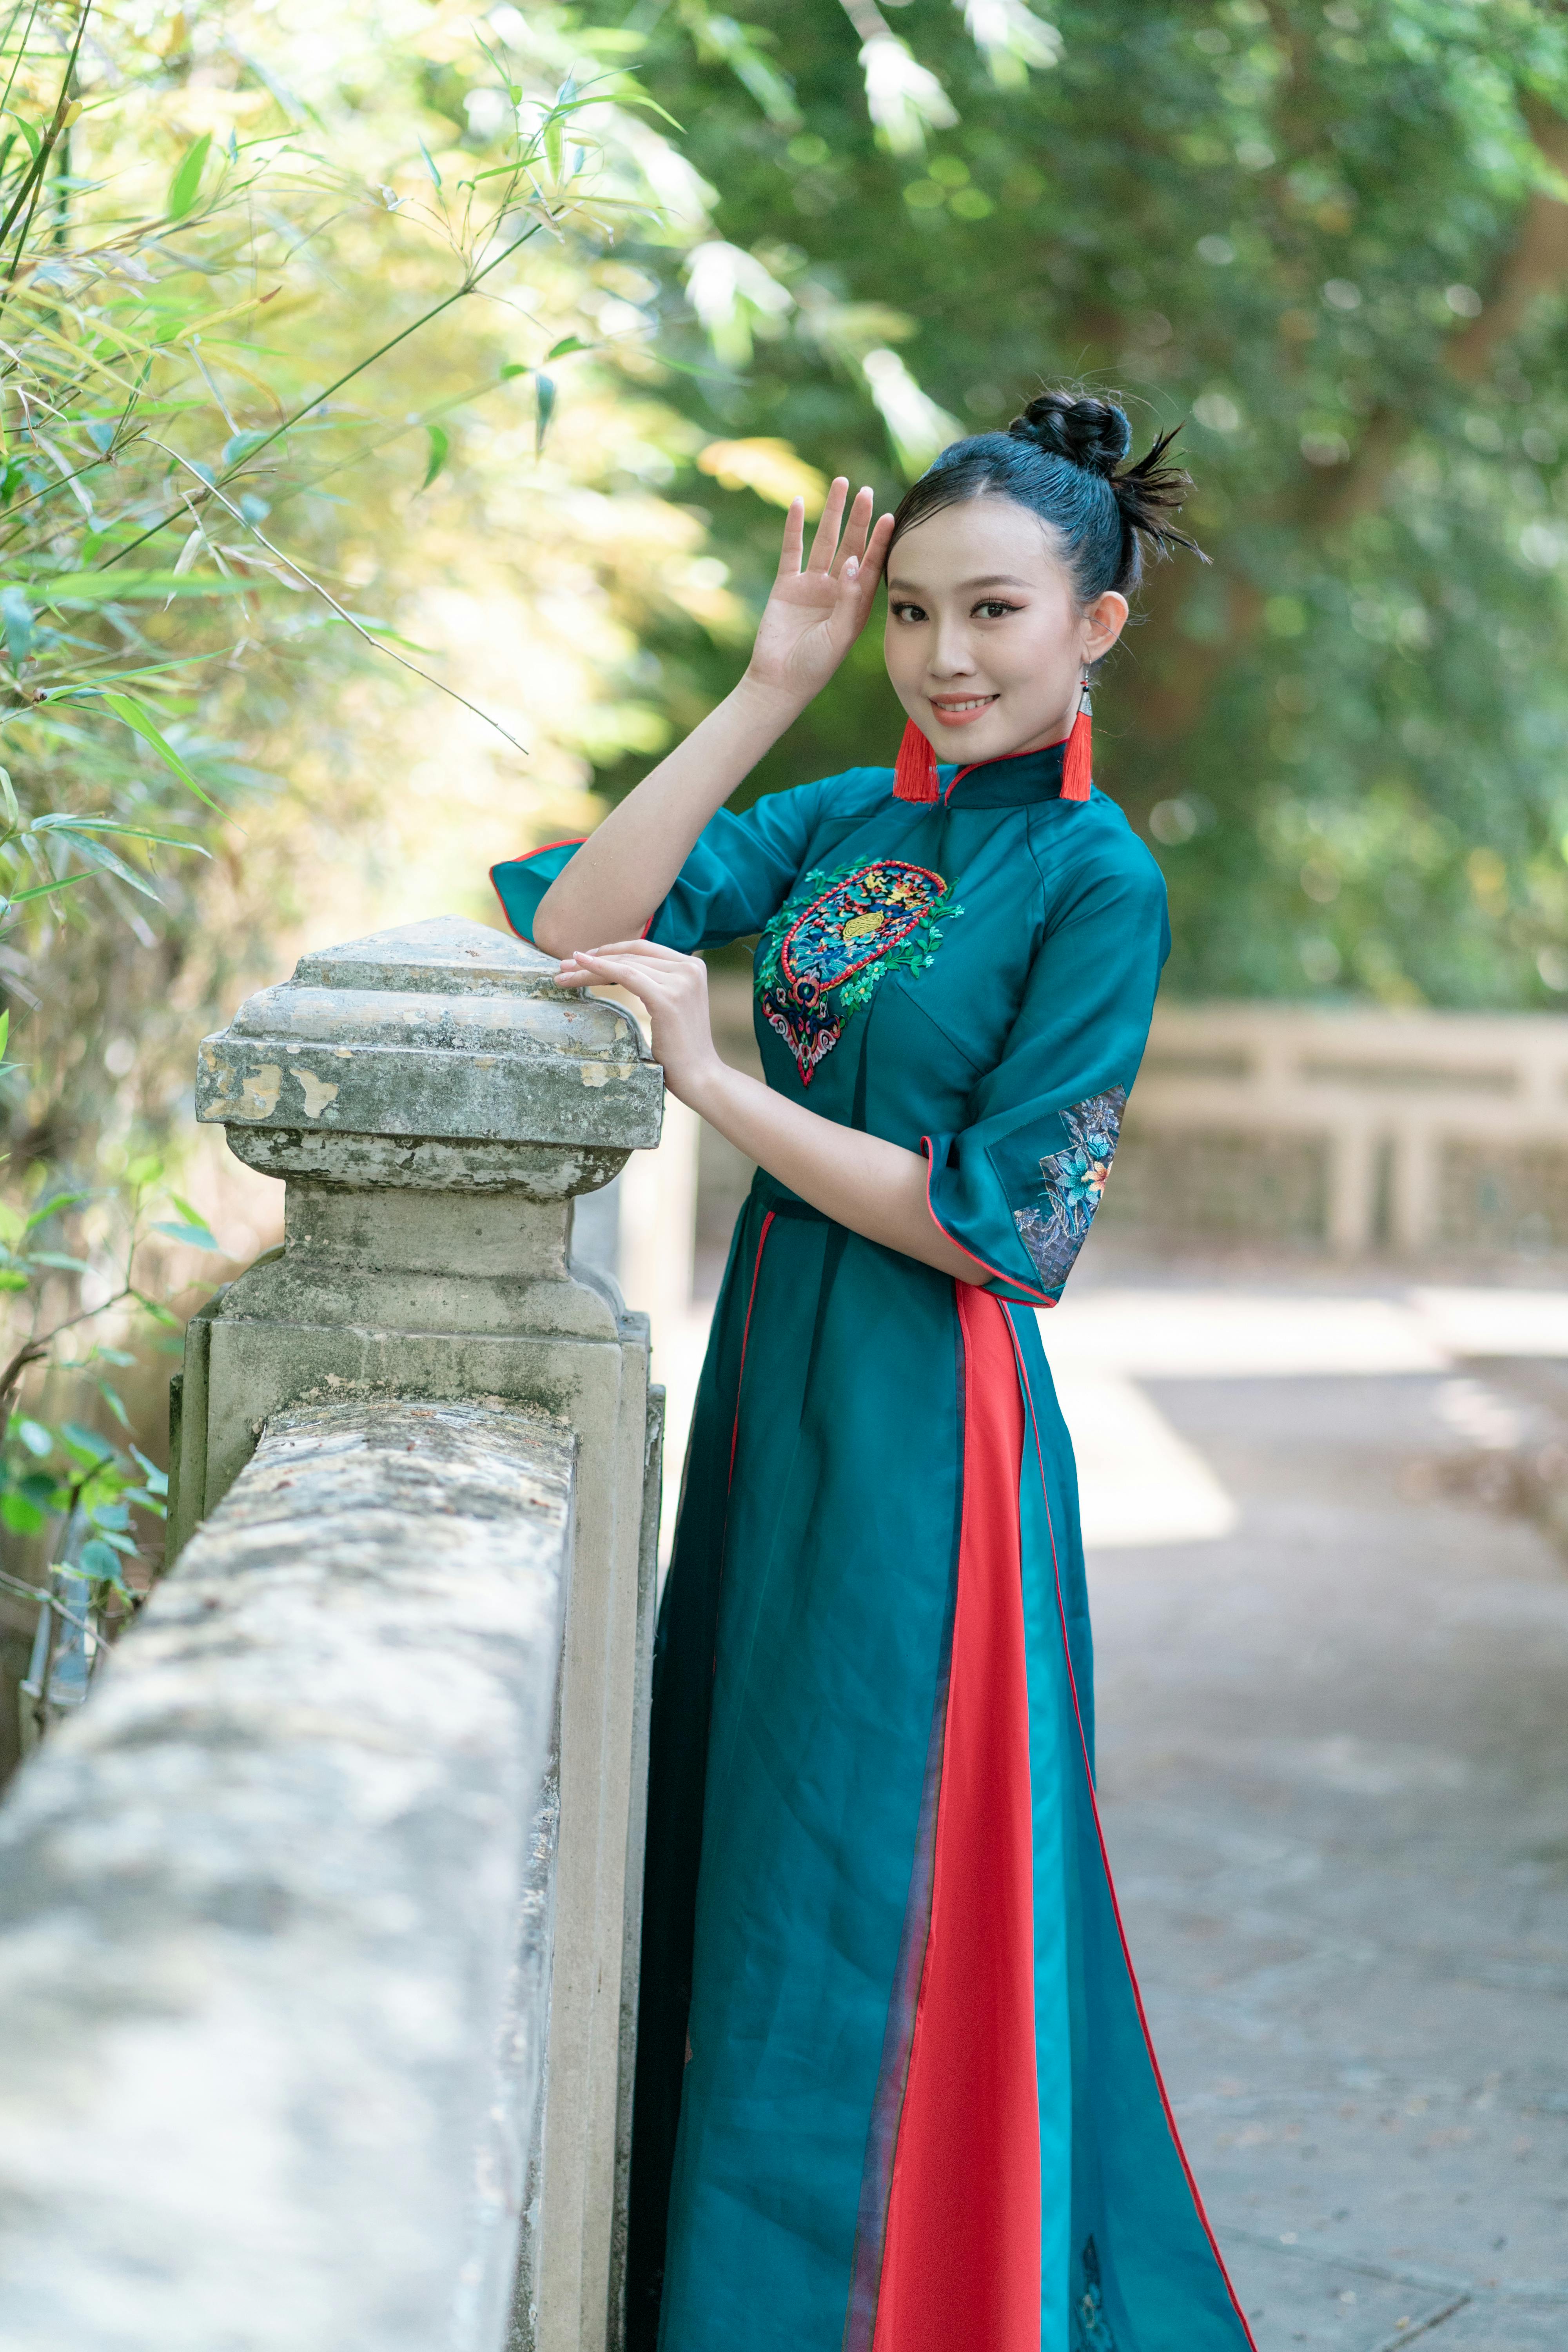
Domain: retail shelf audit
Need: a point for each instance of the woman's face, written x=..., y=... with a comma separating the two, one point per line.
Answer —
x=985, y=645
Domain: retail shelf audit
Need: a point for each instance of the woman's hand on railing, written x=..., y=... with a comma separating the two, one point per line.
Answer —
x=876, y=1188
x=673, y=987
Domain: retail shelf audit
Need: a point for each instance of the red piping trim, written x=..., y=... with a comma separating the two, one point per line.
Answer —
x=1037, y=1298
x=1105, y=1863
x=745, y=1335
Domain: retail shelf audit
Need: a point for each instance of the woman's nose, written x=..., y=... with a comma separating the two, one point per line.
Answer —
x=950, y=655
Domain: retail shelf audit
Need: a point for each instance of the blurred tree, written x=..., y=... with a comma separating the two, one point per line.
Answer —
x=281, y=311
x=1332, y=238
x=307, y=574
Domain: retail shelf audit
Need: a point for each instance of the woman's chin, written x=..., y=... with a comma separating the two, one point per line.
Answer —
x=990, y=738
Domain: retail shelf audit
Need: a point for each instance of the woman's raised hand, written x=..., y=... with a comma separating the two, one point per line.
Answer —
x=816, y=610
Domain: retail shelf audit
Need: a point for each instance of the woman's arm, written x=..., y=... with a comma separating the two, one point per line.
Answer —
x=626, y=868
x=875, y=1188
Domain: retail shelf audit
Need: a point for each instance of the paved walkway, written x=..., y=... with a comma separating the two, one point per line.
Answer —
x=1333, y=1705
x=1335, y=1760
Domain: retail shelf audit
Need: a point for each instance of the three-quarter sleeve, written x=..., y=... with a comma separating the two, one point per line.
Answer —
x=739, y=874
x=1018, y=1186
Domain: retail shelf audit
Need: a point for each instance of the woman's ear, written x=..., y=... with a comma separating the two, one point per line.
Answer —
x=1103, y=623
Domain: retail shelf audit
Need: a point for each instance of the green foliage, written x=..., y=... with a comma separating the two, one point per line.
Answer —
x=219, y=358
x=1333, y=243
x=223, y=342
x=65, y=1488
x=134, y=355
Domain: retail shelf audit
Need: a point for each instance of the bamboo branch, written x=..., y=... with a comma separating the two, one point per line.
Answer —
x=327, y=598
x=471, y=279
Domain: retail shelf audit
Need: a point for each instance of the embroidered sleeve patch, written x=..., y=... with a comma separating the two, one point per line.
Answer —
x=1054, y=1227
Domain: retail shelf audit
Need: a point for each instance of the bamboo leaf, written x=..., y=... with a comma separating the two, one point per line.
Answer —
x=157, y=1480
x=99, y=1561
x=43, y=889
x=26, y=130
x=116, y=825
x=60, y=1202
x=194, y=1237
x=440, y=447
x=130, y=712
x=16, y=616
x=187, y=179
x=86, y=1442
x=112, y=1400
x=113, y=587
x=544, y=409
x=98, y=853
x=157, y=1311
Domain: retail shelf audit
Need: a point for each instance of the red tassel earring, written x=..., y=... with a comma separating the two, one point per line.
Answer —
x=915, y=777
x=1077, y=761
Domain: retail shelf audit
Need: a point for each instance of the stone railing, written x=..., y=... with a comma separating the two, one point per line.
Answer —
x=318, y=1938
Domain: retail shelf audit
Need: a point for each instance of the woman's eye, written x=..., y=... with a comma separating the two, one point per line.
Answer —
x=994, y=610
x=908, y=612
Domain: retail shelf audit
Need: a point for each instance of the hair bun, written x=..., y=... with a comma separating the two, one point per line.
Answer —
x=1091, y=433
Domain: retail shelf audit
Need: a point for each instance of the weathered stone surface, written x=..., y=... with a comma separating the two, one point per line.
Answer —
x=536, y=1172
x=274, y=1913
x=442, y=1032
x=427, y=1254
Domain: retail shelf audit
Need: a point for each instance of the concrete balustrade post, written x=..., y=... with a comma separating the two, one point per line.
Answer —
x=433, y=1104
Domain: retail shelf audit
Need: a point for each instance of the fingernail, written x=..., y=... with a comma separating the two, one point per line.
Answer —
x=852, y=568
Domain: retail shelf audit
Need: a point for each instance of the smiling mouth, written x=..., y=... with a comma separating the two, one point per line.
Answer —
x=952, y=710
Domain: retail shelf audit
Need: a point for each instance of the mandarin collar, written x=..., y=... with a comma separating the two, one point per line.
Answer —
x=1016, y=780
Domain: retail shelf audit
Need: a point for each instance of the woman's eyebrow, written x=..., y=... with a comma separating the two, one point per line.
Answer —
x=987, y=579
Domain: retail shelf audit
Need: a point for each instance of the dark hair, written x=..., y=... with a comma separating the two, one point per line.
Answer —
x=1065, y=460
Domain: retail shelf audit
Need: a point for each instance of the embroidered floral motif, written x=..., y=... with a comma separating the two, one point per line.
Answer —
x=829, y=949
x=1092, y=2330
x=1074, y=1179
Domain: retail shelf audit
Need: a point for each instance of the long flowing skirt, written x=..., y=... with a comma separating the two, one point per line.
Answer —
x=895, y=2091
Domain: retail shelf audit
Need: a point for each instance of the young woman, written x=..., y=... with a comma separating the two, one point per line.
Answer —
x=894, y=2088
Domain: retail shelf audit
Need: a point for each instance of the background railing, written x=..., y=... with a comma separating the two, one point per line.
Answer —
x=1352, y=1131
x=1411, y=1132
